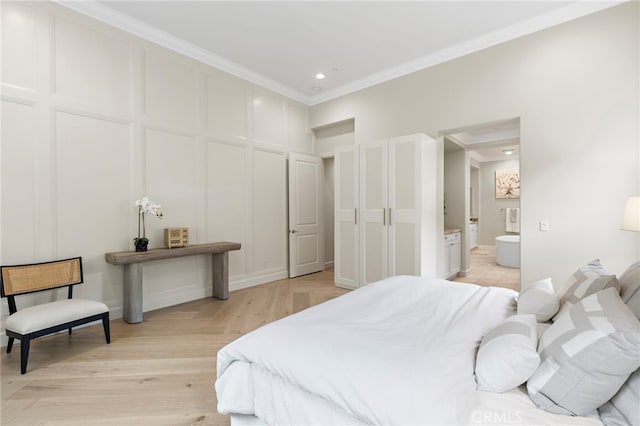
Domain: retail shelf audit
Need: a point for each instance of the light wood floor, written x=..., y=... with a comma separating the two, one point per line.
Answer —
x=159, y=372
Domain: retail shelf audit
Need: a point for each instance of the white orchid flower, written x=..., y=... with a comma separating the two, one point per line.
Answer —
x=156, y=210
x=144, y=202
x=146, y=206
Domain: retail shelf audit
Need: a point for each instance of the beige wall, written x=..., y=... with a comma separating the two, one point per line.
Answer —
x=94, y=119
x=456, y=197
x=575, y=89
x=492, y=217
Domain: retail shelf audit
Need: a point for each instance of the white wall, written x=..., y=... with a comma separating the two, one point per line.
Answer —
x=575, y=88
x=94, y=118
x=329, y=195
x=456, y=192
x=474, y=185
x=492, y=219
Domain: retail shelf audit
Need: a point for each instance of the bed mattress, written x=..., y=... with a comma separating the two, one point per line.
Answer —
x=399, y=351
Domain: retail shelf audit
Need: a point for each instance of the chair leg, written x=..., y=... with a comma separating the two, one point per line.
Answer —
x=24, y=353
x=105, y=325
x=10, y=344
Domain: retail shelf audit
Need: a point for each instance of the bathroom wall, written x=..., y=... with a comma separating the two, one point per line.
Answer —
x=456, y=192
x=474, y=184
x=492, y=219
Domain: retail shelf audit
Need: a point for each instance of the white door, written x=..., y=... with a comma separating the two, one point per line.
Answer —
x=306, y=242
x=373, y=205
x=403, y=213
x=347, y=237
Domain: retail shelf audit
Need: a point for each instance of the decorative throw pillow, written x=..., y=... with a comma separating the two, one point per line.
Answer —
x=630, y=288
x=589, y=279
x=586, y=355
x=542, y=327
x=507, y=356
x=624, y=408
x=538, y=298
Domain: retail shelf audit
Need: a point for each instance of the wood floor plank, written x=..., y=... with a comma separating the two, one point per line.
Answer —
x=159, y=372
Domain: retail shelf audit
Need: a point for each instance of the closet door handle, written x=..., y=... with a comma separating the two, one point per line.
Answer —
x=355, y=216
x=389, y=216
x=384, y=217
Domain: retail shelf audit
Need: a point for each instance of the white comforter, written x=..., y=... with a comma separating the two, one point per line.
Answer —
x=399, y=351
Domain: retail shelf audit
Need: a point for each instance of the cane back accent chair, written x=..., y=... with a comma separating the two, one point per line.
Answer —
x=47, y=318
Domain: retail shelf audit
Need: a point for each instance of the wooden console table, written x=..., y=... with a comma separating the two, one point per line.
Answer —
x=132, y=261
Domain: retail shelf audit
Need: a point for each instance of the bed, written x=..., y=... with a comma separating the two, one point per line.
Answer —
x=399, y=351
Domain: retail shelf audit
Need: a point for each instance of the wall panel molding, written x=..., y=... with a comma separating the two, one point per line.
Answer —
x=141, y=120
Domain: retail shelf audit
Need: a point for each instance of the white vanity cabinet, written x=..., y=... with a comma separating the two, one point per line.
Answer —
x=473, y=236
x=451, y=255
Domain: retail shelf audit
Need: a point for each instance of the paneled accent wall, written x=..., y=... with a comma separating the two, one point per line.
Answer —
x=94, y=118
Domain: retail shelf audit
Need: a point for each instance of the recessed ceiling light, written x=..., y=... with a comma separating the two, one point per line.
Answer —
x=316, y=88
x=320, y=76
x=508, y=151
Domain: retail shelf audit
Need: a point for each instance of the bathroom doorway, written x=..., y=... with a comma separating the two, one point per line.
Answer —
x=490, y=199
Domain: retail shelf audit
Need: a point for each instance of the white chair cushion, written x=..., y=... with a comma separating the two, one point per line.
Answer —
x=47, y=315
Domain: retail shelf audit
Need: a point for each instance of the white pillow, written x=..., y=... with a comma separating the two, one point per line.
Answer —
x=507, y=356
x=587, y=354
x=538, y=298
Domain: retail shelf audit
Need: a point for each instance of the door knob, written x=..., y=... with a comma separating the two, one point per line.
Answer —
x=293, y=231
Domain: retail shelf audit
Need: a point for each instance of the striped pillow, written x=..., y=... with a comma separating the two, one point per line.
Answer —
x=624, y=408
x=589, y=279
x=507, y=356
x=586, y=355
x=630, y=288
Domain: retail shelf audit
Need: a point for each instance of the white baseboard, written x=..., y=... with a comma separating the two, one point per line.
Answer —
x=328, y=265
x=254, y=281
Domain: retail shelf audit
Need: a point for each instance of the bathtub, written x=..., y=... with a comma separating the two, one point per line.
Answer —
x=508, y=251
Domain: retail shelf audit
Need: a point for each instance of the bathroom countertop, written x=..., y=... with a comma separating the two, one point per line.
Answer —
x=451, y=231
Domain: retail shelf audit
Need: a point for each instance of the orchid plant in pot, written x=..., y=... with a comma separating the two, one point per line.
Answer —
x=145, y=206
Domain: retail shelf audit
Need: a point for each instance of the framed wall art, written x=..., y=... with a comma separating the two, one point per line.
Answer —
x=507, y=184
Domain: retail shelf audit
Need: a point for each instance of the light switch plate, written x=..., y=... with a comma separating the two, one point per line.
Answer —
x=544, y=225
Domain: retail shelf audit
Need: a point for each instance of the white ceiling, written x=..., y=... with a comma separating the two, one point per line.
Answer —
x=283, y=44
x=488, y=142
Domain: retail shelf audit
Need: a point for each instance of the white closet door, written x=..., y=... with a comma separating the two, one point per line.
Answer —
x=403, y=211
x=347, y=238
x=373, y=205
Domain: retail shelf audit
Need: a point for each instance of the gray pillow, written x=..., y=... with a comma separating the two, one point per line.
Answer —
x=630, y=288
x=586, y=355
x=624, y=408
x=507, y=356
x=589, y=279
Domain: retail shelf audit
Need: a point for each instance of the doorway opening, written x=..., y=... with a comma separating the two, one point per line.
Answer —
x=327, y=139
x=482, y=199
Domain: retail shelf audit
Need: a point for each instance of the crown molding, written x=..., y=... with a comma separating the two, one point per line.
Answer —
x=568, y=13
x=130, y=25
x=107, y=15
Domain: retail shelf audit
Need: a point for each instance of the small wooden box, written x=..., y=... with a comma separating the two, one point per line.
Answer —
x=176, y=237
